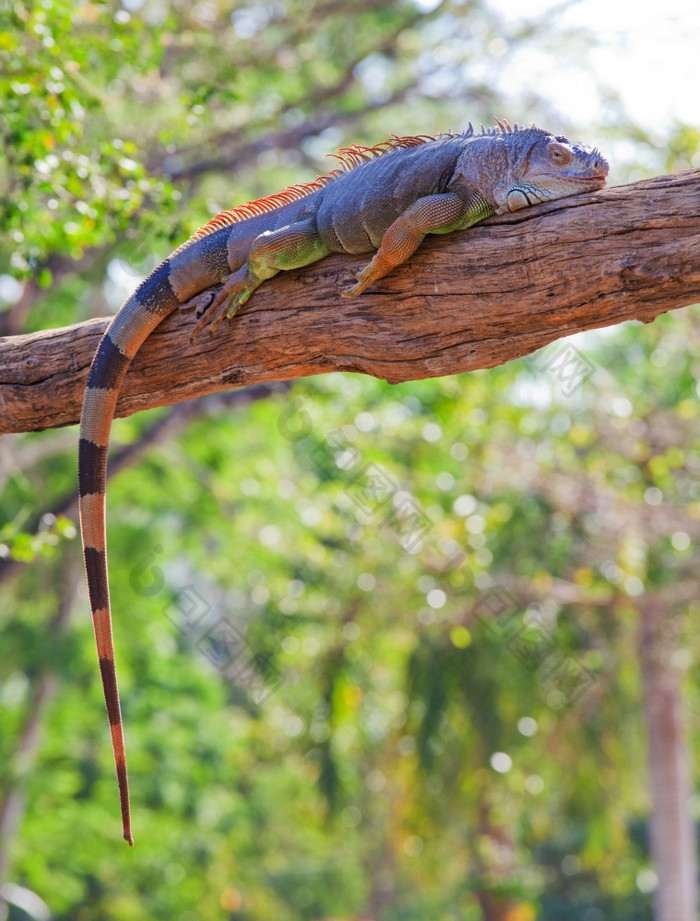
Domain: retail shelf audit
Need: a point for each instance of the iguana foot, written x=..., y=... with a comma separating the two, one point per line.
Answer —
x=235, y=292
x=361, y=282
x=199, y=303
x=380, y=265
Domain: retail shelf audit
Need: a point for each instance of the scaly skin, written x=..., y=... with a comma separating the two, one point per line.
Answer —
x=383, y=200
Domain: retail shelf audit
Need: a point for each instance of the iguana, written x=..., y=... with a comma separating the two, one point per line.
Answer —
x=381, y=199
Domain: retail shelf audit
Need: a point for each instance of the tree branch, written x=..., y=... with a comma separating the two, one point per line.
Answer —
x=469, y=300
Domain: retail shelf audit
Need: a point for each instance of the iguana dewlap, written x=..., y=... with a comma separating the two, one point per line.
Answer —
x=383, y=199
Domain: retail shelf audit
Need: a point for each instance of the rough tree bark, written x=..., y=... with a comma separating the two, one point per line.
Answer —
x=470, y=300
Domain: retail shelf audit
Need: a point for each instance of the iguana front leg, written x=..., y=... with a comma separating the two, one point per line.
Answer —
x=274, y=251
x=432, y=214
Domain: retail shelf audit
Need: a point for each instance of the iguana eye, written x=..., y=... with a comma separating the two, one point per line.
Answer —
x=559, y=154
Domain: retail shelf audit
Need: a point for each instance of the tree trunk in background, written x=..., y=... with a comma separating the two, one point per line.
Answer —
x=672, y=828
x=494, y=855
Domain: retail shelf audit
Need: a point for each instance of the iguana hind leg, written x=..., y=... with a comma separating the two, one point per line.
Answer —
x=274, y=251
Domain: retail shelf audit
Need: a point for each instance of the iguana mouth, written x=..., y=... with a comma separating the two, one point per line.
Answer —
x=599, y=178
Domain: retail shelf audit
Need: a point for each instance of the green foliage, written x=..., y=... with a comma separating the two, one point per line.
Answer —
x=403, y=728
x=68, y=181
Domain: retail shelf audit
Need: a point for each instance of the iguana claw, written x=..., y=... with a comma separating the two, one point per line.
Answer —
x=352, y=290
x=231, y=296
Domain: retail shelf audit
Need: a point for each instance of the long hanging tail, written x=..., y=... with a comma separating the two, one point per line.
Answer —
x=153, y=300
x=201, y=261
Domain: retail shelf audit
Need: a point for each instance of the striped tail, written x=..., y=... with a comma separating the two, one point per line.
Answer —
x=153, y=300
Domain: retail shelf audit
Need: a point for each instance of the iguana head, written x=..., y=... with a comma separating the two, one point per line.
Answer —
x=543, y=167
